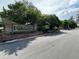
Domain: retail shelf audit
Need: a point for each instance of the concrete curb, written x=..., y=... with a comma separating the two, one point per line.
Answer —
x=16, y=40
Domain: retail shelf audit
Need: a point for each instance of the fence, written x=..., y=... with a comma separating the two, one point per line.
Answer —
x=19, y=28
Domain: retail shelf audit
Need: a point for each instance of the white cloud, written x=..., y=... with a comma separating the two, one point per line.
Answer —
x=5, y=3
x=67, y=13
x=47, y=6
x=59, y=7
x=71, y=2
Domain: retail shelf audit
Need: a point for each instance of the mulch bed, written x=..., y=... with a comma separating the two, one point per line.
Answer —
x=4, y=37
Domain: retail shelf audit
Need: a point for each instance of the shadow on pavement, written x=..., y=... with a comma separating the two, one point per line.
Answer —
x=12, y=48
x=55, y=33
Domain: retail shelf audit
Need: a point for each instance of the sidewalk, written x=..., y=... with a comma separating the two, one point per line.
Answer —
x=20, y=39
x=5, y=37
x=35, y=36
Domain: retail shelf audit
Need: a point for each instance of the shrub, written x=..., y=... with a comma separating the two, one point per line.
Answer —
x=68, y=24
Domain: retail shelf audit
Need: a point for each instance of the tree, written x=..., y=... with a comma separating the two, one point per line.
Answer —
x=68, y=24
x=26, y=12
x=33, y=15
x=65, y=24
x=16, y=13
x=1, y=25
x=51, y=20
x=54, y=21
x=20, y=13
x=72, y=24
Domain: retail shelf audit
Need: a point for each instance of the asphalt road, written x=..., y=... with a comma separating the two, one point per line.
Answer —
x=63, y=45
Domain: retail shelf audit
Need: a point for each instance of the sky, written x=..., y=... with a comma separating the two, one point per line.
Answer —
x=64, y=9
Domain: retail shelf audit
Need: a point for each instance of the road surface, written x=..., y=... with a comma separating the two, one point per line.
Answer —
x=57, y=46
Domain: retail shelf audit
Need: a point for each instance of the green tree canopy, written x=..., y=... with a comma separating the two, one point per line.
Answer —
x=68, y=24
x=51, y=20
x=20, y=13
